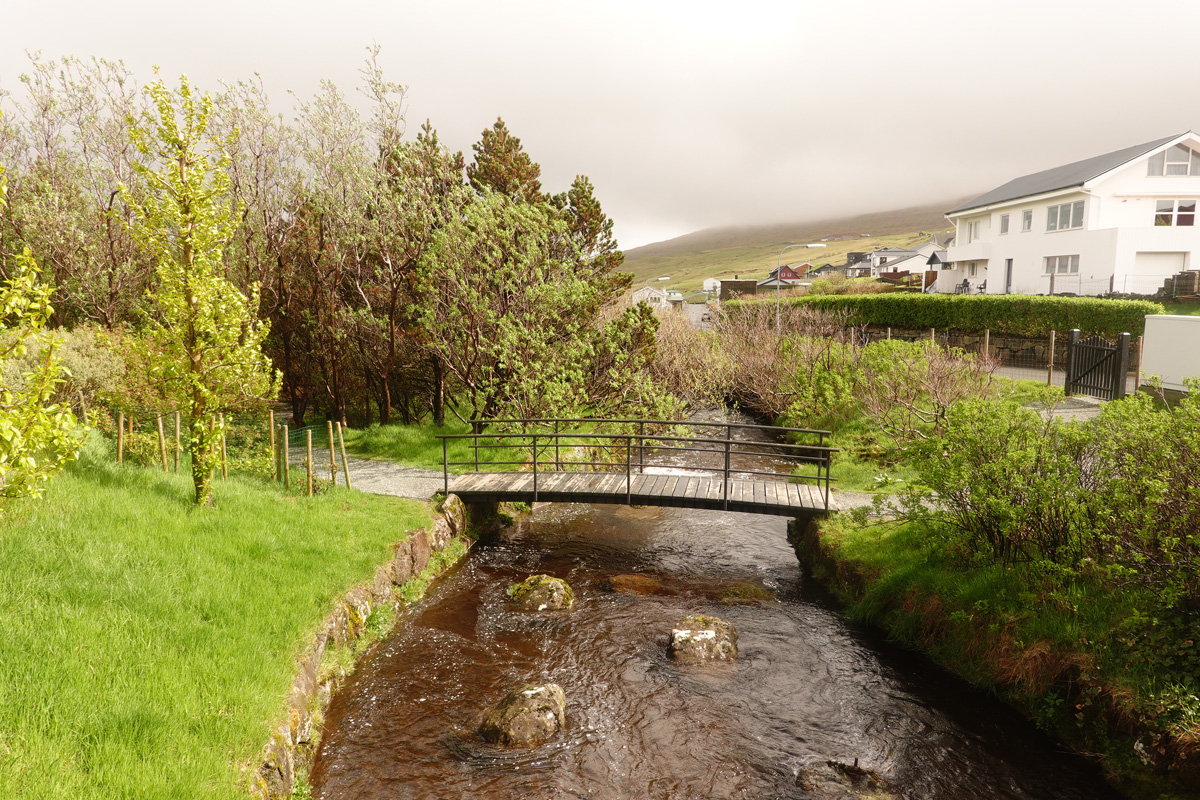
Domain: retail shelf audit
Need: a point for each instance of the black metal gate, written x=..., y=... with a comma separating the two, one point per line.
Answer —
x=1096, y=366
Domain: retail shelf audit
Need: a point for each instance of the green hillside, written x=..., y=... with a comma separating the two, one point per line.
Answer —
x=752, y=252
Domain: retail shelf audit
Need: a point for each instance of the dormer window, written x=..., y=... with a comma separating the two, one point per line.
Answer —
x=1178, y=160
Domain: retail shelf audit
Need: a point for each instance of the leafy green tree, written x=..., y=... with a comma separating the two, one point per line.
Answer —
x=503, y=166
x=37, y=435
x=206, y=331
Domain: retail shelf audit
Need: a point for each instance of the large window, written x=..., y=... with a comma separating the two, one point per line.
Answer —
x=1175, y=212
x=973, y=231
x=1065, y=216
x=1178, y=160
x=1063, y=265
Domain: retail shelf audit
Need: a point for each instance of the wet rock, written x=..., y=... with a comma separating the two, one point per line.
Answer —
x=541, y=593
x=633, y=584
x=526, y=716
x=744, y=594
x=834, y=780
x=703, y=638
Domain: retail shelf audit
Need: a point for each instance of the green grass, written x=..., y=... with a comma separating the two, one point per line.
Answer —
x=146, y=646
x=418, y=445
x=1186, y=308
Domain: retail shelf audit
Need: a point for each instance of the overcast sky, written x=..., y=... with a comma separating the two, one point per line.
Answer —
x=696, y=114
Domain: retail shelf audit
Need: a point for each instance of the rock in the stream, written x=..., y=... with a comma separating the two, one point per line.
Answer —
x=703, y=638
x=633, y=584
x=834, y=780
x=526, y=716
x=541, y=593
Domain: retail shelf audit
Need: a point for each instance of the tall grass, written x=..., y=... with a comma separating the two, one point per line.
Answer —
x=146, y=645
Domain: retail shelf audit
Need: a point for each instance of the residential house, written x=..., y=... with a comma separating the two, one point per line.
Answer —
x=1120, y=222
x=786, y=276
x=651, y=296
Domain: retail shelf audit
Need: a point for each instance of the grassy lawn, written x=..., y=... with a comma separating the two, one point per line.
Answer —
x=145, y=645
x=1188, y=308
x=418, y=445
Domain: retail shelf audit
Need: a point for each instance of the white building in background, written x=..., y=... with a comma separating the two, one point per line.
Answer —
x=650, y=295
x=1124, y=222
x=711, y=285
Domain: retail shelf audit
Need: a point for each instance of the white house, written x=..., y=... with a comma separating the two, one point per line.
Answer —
x=653, y=297
x=1121, y=222
x=711, y=285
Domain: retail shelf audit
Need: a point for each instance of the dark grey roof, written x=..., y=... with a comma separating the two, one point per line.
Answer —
x=1063, y=177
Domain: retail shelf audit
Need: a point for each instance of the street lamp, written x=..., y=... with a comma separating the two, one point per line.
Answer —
x=778, y=267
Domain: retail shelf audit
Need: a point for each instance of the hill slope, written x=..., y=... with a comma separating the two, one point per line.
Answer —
x=752, y=252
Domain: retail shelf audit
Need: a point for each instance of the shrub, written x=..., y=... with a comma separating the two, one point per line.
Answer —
x=1019, y=315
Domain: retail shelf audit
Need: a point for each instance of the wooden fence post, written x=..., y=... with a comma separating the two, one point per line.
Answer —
x=274, y=448
x=933, y=335
x=1137, y=370
x=889, y=333
x=1050, y=363
x=120, y=437
x=308, y=462
x=342, y=445
x=987, y=342
x=178, y=444
x=332, y=461
x=224, y=455
x=286, y=470
x=162, y=442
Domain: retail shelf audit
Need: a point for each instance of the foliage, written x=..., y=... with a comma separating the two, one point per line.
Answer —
x=519, y=327
x=502, y=166
x=206, y=332
x=1122, y=491
x=90, y=369
x=838, y=284
x=908, y=388
x=38, y=435
x=1020, y=315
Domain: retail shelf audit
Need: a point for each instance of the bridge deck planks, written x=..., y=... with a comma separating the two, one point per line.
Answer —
x=700, y=490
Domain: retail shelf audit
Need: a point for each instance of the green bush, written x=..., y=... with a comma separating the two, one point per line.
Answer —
x=1019, y=315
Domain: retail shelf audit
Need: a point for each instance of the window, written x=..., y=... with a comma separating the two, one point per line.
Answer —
x=973, y=269
x=1179, y=160
x=1027, y=220
x=1003, y=224
x=973, y=231
x=1063, y=265
x=1175, y=212
x=1065, y=216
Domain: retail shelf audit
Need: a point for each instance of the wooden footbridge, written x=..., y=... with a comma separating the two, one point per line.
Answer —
x=711, y=465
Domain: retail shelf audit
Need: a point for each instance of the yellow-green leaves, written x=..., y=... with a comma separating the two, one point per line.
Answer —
x=205, y=330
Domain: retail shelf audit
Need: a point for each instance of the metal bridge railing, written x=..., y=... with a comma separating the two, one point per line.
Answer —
x=593, y=451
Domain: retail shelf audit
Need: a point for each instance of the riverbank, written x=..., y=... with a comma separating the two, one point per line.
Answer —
x=1069, y=655
x=146, y=645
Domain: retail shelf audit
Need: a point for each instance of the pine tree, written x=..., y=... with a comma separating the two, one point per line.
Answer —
x=503, y=166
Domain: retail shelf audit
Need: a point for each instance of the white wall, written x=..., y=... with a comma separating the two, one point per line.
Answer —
x=1169, y=349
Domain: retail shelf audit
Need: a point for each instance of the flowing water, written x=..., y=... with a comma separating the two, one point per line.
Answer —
x=807, y=687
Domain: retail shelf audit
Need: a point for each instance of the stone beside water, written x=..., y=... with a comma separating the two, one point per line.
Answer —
x=541, y=593
x=633, y=583
x=701, y=639
x=526, y=716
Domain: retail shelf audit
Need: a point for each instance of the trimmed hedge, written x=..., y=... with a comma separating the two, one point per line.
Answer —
x=1016, y=314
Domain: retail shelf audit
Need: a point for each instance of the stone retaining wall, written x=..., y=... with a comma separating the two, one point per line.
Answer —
x=293, y=743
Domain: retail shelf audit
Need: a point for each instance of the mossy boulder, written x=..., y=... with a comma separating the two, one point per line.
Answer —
x=834, y=780
x=701, y=639
x=526, y=716
x=541, y=593
x=744, y=594
x=633, y=584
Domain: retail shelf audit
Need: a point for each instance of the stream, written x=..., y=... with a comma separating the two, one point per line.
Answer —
x=807, y=687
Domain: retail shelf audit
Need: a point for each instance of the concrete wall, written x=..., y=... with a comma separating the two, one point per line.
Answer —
x=1169, y=349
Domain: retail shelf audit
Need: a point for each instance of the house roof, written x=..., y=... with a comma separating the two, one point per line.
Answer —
x=891, y=265
x=1064, y=177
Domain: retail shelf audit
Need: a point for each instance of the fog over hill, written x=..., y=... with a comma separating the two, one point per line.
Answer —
x=883, y=223
x=754, y=251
